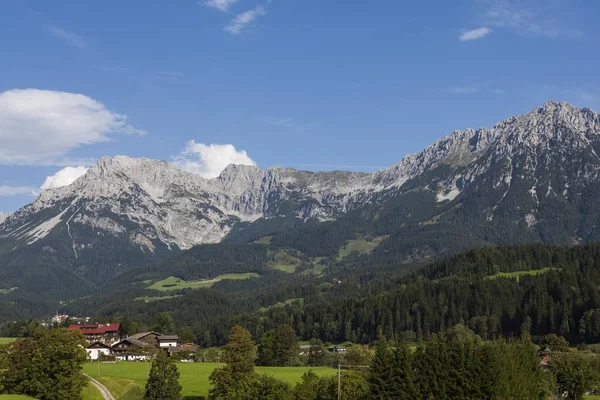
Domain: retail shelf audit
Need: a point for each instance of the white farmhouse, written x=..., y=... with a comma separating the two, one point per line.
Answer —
x=95, y=349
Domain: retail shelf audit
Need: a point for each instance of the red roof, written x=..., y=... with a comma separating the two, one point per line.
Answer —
x=93, y=329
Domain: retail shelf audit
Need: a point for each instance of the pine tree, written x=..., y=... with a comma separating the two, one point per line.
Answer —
x=236, y=378
x=163, y=382
x=379, y=376
x=401, y=382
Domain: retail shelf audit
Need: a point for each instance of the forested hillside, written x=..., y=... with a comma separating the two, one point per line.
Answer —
x=492, y=290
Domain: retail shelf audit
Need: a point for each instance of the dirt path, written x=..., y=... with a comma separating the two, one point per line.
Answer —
x=103, y=390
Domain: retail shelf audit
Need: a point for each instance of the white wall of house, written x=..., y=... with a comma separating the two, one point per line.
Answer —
x=132, y=358
x=93, y=354
x=166, y=344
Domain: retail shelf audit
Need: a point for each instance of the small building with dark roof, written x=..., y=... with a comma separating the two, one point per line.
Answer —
x=97, y=349
x=167, y=341
x=129, y=349
x=147, y=337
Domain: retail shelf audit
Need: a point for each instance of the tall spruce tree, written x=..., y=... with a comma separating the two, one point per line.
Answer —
x=237, y=377
x=163, y=382
x=380, y=376
x=401, y=385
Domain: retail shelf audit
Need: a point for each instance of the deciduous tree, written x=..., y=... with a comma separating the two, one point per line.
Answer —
x=48, y=367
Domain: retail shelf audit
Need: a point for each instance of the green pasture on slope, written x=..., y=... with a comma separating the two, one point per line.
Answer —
x=6, y=340
x=518, y=274
x=284, y=261
x=361, y=246
x=119, y=377
x=172, y=283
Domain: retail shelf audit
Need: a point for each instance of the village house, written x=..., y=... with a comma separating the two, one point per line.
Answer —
x=338, y=349
x=97, y=350
x=304, y=349
x=129, y=349
x=166, y=341
x=135, y=347
x=104, y=333
x=186, y=352
x=146, y=337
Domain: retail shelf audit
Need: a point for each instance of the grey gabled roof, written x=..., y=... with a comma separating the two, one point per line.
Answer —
x=144, y=334
x=95, y=345
x=168, y=337
x=130, y=340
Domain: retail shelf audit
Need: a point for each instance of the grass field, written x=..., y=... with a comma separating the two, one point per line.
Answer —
x=264, y=240
x=317, y=269
x=283, y=261
x=360, y=245
x=91, y=393
x=172, y=283
x=15, y=397
x=6, y=340
x=518, y=274
x=120, y=377
x=281, y=304
x=148, y=299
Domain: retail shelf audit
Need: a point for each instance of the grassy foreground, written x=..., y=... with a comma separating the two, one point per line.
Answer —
x=172, y=283
x=6, y=340
x=119, y=378
x=89, y=393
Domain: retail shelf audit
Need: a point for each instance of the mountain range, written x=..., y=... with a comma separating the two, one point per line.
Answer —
x=529, y=178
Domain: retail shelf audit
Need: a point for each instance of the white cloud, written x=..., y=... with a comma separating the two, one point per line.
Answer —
x=210, y=160
x=6, y=191
x=475, y=34
x=3, y=216
x=70, y=38
x=41, y=126
x=241, y=21
x=64, y=177
x=222, y=5
x=546, y=18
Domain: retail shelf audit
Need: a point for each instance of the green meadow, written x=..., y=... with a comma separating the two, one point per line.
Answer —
x=360, y=245
x=283, y=261
x=121, y=377
x=6, y=340
x=518, y=274
x=172, y=283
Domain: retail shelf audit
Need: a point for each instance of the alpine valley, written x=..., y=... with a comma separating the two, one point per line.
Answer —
x=99, y=244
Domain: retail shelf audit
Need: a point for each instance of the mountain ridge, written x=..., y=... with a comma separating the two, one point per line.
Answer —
x=531, y=177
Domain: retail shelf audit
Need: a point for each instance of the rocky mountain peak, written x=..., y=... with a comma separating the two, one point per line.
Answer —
x=3, y=216
x=151, y=201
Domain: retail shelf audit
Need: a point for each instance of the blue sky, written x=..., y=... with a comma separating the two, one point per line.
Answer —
x=310, y=84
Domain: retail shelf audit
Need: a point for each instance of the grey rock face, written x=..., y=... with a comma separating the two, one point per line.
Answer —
x=148, y=201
